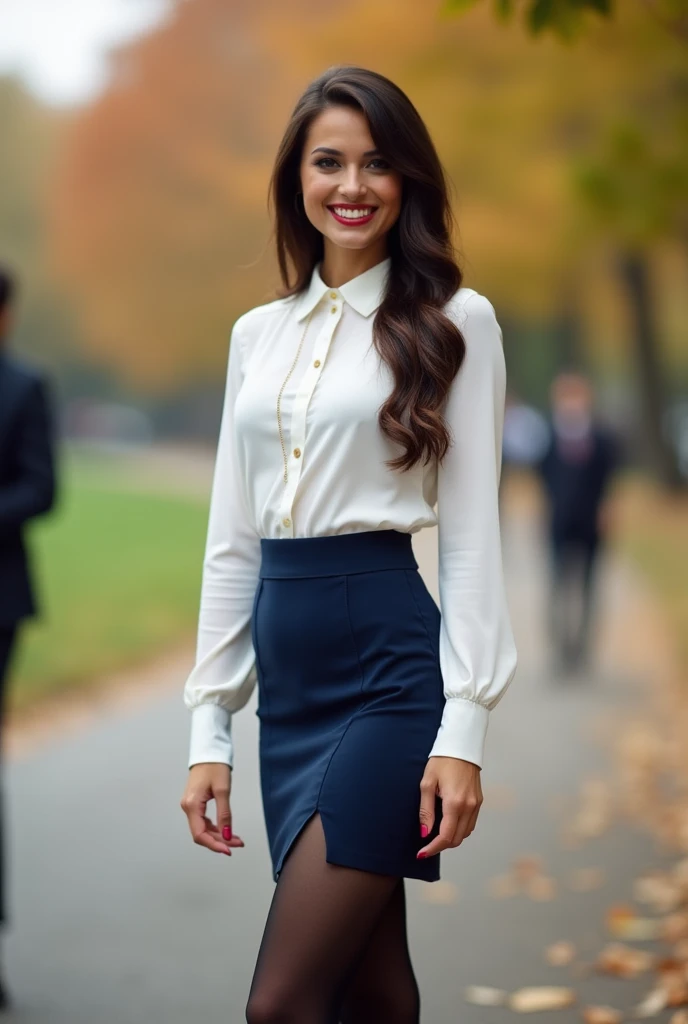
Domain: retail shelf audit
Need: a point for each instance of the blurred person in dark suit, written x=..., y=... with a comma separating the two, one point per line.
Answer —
x=576, y=468
x=27, y=488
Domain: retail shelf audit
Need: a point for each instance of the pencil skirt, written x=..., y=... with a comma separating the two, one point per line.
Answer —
x=350, y=697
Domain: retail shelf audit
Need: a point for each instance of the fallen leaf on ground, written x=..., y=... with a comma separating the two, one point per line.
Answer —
x=601, y=1015
x=653, y=1004
x=680, y=1018
x=660, y=890
x=673, y=981
x=624, y=961
x=675, y=926
x=483, y=995
x=624, y=923
x=586, y=879
x=533, y=1000
x=560, y=953
x=441, y=892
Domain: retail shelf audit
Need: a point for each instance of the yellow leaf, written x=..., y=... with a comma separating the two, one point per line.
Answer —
x=623, y=922
x=534, y=1000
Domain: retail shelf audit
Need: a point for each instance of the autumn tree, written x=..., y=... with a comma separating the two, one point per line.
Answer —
x=30, y=135
x=632, y=176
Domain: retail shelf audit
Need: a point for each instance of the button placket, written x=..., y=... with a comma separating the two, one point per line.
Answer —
x=297, y=422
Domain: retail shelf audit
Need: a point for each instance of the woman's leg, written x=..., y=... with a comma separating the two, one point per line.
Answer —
x=320, y=921
x=383, y=988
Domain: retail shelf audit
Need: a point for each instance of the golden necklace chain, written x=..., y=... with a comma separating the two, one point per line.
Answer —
x=281, y=392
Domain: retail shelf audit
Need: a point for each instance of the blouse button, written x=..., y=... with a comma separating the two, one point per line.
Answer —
x=333, y=310
x=316, y=364
x=333, y=295
x=297, y=453
x=286, y=521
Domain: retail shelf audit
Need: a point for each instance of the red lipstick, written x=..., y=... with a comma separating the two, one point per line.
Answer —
x=352, y=221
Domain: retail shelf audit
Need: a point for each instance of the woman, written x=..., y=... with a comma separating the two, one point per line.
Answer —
x=371, y=391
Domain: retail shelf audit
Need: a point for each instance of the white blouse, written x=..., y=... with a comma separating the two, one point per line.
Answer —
x=337, y=482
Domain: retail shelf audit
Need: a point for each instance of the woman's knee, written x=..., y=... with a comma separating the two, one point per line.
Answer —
x=274, y=1008
x=263, y=1011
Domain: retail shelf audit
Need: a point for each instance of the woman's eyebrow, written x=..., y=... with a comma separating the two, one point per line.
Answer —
x=338, y=152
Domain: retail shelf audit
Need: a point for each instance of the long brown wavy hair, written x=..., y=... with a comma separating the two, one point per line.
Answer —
x=411, y=333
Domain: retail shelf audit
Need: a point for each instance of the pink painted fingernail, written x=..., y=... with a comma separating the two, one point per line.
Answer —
x=226, y=832
x=424, y=831
x=421, y=855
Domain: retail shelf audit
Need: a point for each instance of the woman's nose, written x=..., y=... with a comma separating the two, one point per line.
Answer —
x=352, y=187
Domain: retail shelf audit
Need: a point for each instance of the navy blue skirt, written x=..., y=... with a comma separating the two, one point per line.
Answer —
x=350, y=697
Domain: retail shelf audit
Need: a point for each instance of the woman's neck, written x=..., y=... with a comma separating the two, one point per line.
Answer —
x=341, y=265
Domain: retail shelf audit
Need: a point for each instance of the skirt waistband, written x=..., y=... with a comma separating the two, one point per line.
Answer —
x=341, y=555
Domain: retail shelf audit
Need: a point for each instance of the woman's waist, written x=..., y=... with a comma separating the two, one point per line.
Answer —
x=339, y=554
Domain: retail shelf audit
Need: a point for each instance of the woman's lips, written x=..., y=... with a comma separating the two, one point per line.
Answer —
x=353, y=220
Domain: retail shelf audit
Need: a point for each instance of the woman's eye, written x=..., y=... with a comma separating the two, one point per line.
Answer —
x=326, y=161
x=379, y=164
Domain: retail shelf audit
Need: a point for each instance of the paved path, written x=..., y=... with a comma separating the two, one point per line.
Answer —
x=120, y=919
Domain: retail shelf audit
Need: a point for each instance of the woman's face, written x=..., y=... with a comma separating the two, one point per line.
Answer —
x=350, y=192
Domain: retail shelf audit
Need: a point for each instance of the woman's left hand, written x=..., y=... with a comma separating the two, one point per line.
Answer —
x=457, y=783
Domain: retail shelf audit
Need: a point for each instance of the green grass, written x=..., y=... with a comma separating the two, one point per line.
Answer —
x=118, y=573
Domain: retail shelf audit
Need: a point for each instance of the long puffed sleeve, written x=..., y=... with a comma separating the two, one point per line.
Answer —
x=477, y=651
x=223, y=677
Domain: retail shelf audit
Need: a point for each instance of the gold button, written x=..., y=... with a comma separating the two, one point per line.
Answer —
x=316, y=364
x=333, y=295
x=286, y=521
x=333, y=310
x=297, y=453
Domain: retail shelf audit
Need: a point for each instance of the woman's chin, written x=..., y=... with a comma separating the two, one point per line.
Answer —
x=347, y=239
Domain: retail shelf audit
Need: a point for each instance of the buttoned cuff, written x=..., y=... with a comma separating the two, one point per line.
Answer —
x=211, y=735
x=462, y=731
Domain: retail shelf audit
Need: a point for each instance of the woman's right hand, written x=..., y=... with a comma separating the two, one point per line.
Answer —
x=210, y=782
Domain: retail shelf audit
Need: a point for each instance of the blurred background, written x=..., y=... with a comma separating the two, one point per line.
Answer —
x=136, y=142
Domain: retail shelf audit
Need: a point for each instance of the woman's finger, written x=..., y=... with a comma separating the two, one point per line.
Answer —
x=442, y=841
x=194, y=808
x=199, y=831
x=236, y=840
x=462, y=828
x=466, y=823
x=426, y=814
x=222, y=809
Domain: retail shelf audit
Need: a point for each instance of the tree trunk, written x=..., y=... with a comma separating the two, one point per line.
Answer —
x=634, y=274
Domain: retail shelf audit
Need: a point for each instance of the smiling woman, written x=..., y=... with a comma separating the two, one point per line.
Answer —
x=363, y=405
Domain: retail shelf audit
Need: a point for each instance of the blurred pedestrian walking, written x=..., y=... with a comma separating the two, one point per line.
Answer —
x=27, y=488
x=369, y=393
x=576, y=470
